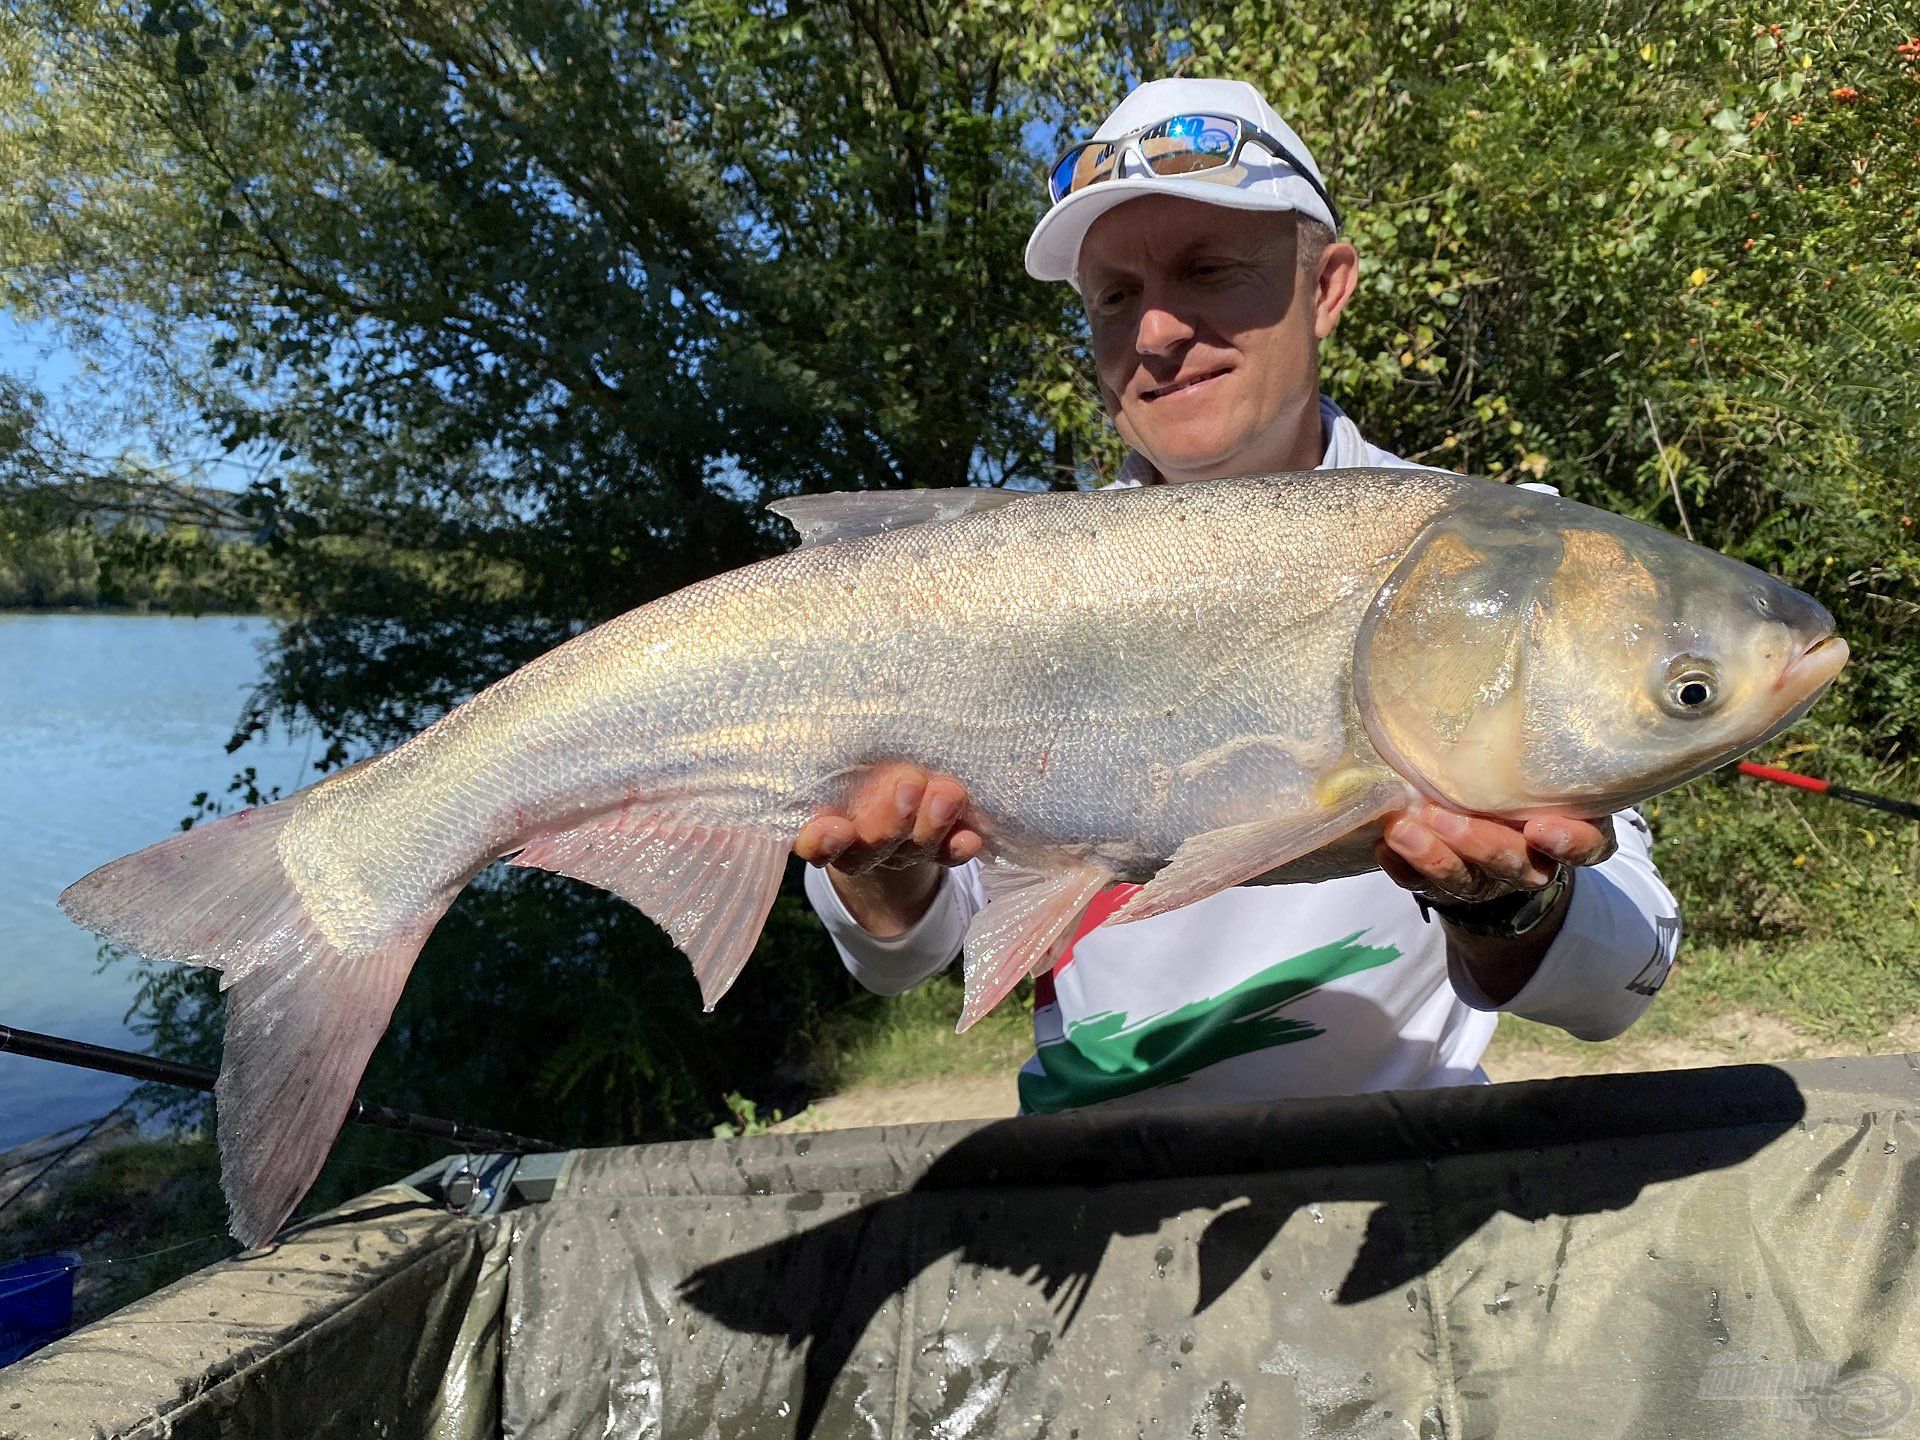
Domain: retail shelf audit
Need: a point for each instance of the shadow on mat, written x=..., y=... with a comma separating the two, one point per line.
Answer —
x=823, y=1286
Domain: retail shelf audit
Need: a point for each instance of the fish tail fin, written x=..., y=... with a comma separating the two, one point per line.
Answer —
x=301, y=1026
x=302, y=1014
x=203, y=897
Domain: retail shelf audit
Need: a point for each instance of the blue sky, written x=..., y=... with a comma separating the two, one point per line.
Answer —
x=35, y=351
x=22, y=352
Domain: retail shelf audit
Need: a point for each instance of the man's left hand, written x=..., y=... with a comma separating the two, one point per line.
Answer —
x=1467, y=859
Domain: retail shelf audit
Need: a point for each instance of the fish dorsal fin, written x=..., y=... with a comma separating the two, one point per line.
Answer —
x=848, y=514
x=708, y=887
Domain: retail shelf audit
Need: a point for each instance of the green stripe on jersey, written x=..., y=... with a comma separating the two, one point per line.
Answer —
x=1108, y=1055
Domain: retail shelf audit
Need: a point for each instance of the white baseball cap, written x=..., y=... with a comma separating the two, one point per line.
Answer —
x=1262, y=181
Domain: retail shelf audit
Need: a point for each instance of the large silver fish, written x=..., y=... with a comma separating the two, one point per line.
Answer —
x=1190, y=686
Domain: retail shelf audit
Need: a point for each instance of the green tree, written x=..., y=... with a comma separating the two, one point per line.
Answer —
x=1663, y=257
x=555, y=299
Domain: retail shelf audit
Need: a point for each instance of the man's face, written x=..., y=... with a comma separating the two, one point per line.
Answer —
x=1206, y=334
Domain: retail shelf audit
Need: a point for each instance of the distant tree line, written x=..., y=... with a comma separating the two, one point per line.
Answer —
x=549, y=301
x=179, y=569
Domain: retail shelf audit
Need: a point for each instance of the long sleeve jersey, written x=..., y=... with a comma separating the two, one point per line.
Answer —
x=1258, y=992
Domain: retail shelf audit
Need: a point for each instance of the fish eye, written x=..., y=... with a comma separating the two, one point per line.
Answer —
x=1692, y=688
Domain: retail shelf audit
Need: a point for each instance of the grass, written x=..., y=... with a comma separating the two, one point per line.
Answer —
x=879, y=1042
x=141, y=1214
x=1849, y=990
x=1845, y=991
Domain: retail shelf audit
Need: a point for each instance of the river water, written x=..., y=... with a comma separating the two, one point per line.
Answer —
x=109, y=724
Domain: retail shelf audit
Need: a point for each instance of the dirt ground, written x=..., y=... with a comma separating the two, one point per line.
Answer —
x=1733, y=1038
x=35, y=1170
x=977, y=1097
x=1736, y=1037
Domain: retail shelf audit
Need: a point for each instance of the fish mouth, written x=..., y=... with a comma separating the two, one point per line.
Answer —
x=1811, y=671
x=1797, y=686
x=1180, y=386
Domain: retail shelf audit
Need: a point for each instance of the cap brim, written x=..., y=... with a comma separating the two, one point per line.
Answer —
x=1053, y=250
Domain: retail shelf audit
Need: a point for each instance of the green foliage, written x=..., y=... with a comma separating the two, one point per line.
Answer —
x=877, y=1041
x=747, y=1119
x=1748, y=860
x=46, y=571
x=1664, y=258
x=555, y=298
x=180, y=569
x=1854, y=991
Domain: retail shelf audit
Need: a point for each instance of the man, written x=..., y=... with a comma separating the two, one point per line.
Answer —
x=1202, y=242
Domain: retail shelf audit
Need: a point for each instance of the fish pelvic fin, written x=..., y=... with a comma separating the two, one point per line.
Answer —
x=1029, y=918
x=709, y=887
x=1217, y=860
x=302, y=1016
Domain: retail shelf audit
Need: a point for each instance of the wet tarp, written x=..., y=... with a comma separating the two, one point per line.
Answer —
x=1703, y=1253
x=376, y=1320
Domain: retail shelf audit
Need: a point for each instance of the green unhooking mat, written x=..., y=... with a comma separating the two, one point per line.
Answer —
x=1699, y=1253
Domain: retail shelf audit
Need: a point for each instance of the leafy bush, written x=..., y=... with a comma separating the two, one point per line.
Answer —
x=1663, y=257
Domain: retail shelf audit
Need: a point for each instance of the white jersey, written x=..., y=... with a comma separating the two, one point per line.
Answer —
x=1259, y=992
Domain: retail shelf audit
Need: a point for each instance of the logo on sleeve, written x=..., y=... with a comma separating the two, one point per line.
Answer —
x=1666, y=943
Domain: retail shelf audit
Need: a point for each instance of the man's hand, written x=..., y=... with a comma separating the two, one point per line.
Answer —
x=1467, y=859
x=885, y=853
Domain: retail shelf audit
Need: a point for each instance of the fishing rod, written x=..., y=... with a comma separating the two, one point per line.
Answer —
x=36, y=1046
x=1905, y=808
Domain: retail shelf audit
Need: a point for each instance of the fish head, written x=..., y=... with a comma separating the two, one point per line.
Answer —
x=1529, y=655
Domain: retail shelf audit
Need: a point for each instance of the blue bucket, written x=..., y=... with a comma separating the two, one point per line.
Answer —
x=36, y=1302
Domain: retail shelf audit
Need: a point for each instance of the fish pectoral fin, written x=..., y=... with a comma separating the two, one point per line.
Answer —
x=707, y=886
x=1217, y=860
x=847, y=514
x=1030, y=914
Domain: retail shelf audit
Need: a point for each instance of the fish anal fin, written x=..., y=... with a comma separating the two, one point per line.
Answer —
x=849, y=514
x=1030, y=915
x=708, y=886
x=1217, y=860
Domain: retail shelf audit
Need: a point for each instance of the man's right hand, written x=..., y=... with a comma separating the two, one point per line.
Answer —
x=885, y=853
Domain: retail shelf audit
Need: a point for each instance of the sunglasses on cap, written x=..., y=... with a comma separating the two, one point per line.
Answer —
x=1205, y=147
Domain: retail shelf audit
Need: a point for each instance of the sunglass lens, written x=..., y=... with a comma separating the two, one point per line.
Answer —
x=1060, y=182
x=1084, y=165
x=1214, y=134
x=1188, y=143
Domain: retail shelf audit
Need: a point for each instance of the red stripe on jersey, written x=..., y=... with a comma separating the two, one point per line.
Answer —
x=1102, y=905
